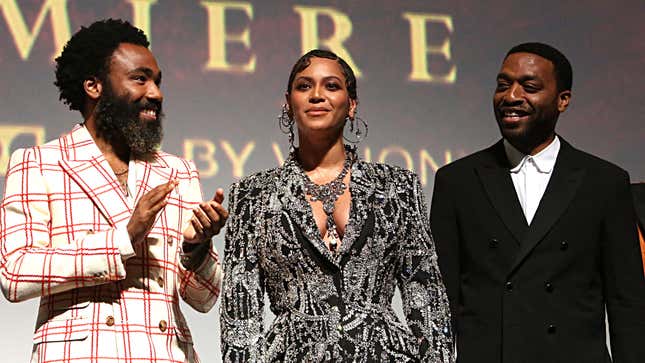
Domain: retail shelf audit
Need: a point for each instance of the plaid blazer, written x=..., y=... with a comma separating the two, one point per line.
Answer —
x=63, y=238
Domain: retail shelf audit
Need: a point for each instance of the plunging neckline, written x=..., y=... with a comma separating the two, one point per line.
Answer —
x=311, y=221
x=312, y=201
x=295, y=205
x=354, y=221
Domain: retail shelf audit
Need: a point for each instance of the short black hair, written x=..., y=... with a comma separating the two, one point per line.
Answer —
x=87, y=54
x=305, y=61
x=561, y=65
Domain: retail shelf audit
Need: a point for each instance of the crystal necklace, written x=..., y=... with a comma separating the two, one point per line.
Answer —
x=328, y=194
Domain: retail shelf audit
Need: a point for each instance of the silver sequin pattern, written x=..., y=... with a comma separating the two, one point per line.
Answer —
x=332, y=307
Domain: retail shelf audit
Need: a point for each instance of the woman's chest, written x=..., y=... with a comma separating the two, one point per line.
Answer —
x=293, y=244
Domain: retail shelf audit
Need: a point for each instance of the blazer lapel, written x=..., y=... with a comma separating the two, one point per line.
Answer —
x=365, y=197
x=151, y=175
x=291, y=191
x=495, y=177
x=559, y=193
x=94, y=175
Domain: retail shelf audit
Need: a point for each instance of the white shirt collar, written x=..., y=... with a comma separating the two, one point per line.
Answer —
x=544, y=160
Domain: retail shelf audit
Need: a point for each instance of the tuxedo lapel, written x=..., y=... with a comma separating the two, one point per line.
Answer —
x=495, y=177
x=559, y=193
x=91, y=171
x=638, y=192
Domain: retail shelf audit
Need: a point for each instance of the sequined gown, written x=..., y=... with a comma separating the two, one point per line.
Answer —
x=332, y=308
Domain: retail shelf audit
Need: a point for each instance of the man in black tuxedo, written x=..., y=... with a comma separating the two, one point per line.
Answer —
x=535, y=238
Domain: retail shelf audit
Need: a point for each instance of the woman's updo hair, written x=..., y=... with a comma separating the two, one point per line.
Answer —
x=305, y=61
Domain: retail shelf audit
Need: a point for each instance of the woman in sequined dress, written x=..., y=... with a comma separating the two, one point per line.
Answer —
x=327, y=237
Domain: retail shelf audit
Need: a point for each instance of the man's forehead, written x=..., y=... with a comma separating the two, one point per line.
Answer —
x=527, y=59
x=132, y=56
x=524, y=62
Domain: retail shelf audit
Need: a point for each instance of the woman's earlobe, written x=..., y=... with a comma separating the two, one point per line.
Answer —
x=352, y=108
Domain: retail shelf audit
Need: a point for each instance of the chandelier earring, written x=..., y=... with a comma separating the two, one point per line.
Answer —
x=286, y=123
x=357, y=129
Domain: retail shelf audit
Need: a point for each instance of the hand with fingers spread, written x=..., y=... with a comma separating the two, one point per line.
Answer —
x=146, y=210
x=207, y=219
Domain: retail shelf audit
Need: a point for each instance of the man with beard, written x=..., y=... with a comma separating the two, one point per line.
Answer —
x=107, y=230
x=535, y=238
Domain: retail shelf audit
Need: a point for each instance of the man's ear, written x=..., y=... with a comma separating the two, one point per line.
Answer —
x=93, y=88
x=563, y=100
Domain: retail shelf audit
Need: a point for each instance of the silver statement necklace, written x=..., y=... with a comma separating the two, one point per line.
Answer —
x=328, y=194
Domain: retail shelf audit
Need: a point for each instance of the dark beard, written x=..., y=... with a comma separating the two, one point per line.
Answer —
x=533, y=135
x=118, y=122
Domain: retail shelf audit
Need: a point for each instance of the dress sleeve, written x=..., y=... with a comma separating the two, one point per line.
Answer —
x=242, y=309
x=425, y=302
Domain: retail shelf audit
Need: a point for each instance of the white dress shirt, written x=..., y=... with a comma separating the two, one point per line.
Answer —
x=531, y=174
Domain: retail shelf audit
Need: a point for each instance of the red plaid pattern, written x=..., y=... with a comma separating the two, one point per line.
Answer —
x=63, y=237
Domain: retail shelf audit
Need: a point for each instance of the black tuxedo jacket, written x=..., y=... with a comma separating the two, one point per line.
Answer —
x=538, y=293
x=638, y=191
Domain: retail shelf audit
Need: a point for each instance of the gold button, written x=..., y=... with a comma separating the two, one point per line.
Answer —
x=160, y=281
x=109, y=321
x=170, y=241
x=163, y=325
